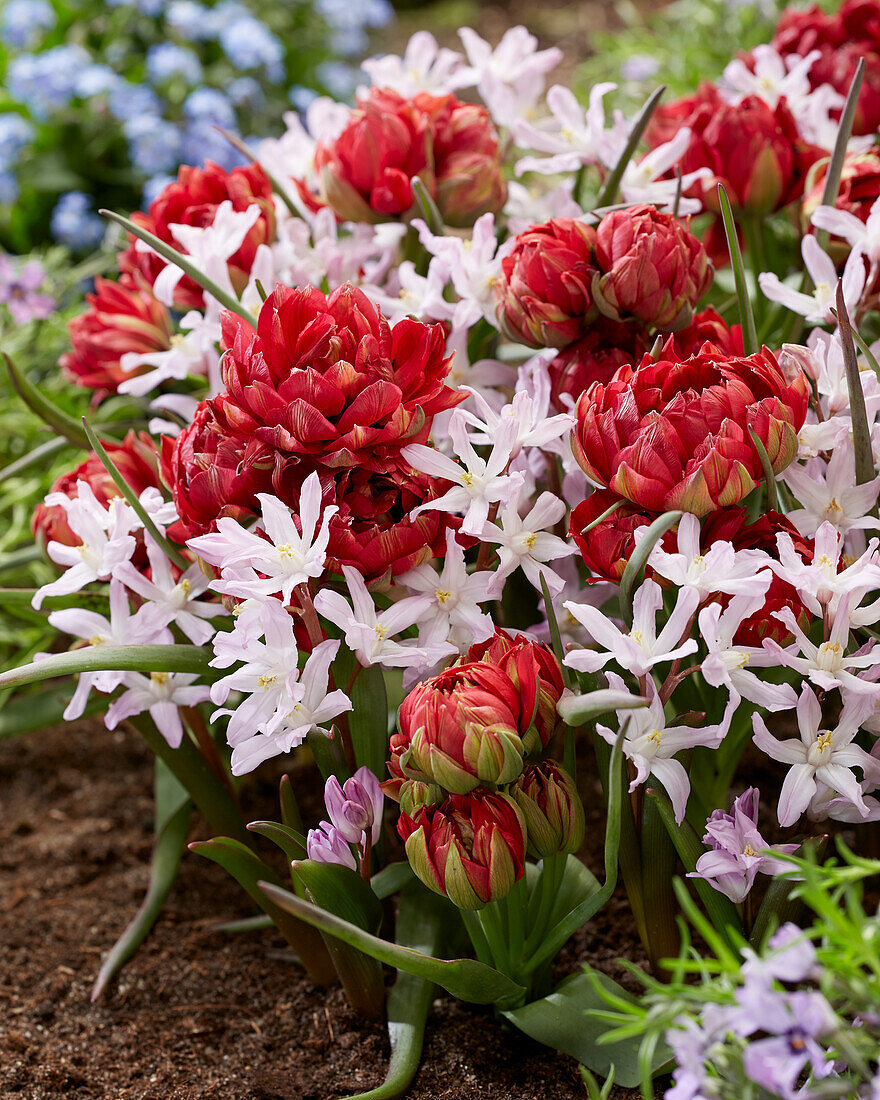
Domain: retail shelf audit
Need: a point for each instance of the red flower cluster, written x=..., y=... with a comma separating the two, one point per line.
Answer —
x=366, y=171
x=754, y=150
x=323, y=383
x=675, y=433
x=137, y=460
x=859, y=190
x=462, y=732
x=193, y=200
x=639, y=266
x=842, y=38
x=122, y=317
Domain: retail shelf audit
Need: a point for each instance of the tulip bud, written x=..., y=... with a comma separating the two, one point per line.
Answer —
x=606, y=546
x=552, y=809
x=470, y=179
x=470, y=848
x=544, y=297
x=414, y=796
x=651, y=268
x=459, y=729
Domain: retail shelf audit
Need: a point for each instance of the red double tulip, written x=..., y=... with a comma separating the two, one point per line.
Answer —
x=460, y=729
x=676, y=434
x=843, y=38
x=537, y=679
x=708, y=327
x=467, y=165
x=544, y=297
x=328, y=379
x=137, y=460
x=652, y=269
x=470, y=848
x=606, y=546
x=365, y=171
x=193, y=200
x=121, y=317
x=607, y=347
x=756, y=151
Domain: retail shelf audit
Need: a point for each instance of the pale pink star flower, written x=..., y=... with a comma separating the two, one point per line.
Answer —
x=817, y=306
x=525, y=543
x=828, y=493
x=425, y=67
x=510, y=78
x=159, y=694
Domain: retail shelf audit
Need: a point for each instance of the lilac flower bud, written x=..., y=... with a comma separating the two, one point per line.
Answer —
x=327, y=845
x=355, y=807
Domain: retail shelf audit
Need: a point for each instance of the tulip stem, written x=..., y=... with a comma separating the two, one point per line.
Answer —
x=478, y=938
x=517, y=904
x=490, y=921
x=552, y=869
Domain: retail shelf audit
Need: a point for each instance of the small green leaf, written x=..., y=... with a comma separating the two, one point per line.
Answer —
x=290, y=841
x=609, y=191
x=427, y=207
x=184, y=263
x=253, y=875
x=746, y=316
x=560, y=1021
x=638, y=559
x=575, y=710
x=167, y=853
x=838, y=155
x=466, y=979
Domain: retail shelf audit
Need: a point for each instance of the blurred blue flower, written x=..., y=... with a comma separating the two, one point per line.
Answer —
x=301, y=97
x=8, y=187
x=210, y=106
x=153, y=186
x=202, y=142
x=96, y=80
x=191, y=20
x=75, y=224
x=167, y=60
x=343, y=14
x=130, y=100
x=154, y=143
x=15, y=133
x=44, y=82
x=640, y=66
x=349, y=41
x=339, y=78
x=23, y=21
x=244, y=91
x=152, y=8
x=249, y=44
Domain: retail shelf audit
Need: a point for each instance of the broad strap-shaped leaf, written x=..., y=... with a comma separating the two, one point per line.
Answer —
x=173, y=812
x=560, y=1021
x=368, y=719
x=290, y=841
x=578, y=885
x=720, y=909
x=576, y=710
x=466, y=979
x=421, y=923
x=391, y=878
x=135, y=658
x=58, y=420
x=250, y=872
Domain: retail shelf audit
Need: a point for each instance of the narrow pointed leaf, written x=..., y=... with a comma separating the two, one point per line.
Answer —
x=57, y=419
x=769, y=476
x=864, y=455
x=427, y=207
x=167, y=853
x=39, y=456
x=184, y=263
x=171, y=551
x=277, y=186
x=638, y=559
x=290, y=815
x=866, y=351
x=258, y=923
x=844, y=131
x=466, y=979
x=609, y=192
x=555, y=636
x=746, y=316
x=252, y=874
x=575, y=710
x=290, y=841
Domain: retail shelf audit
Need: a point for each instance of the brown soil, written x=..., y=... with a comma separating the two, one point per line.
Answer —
x=198, y=1015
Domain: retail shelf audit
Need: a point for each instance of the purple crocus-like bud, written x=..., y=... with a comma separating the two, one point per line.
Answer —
x=738, y=849
x=327, y=845
x=355, y=807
